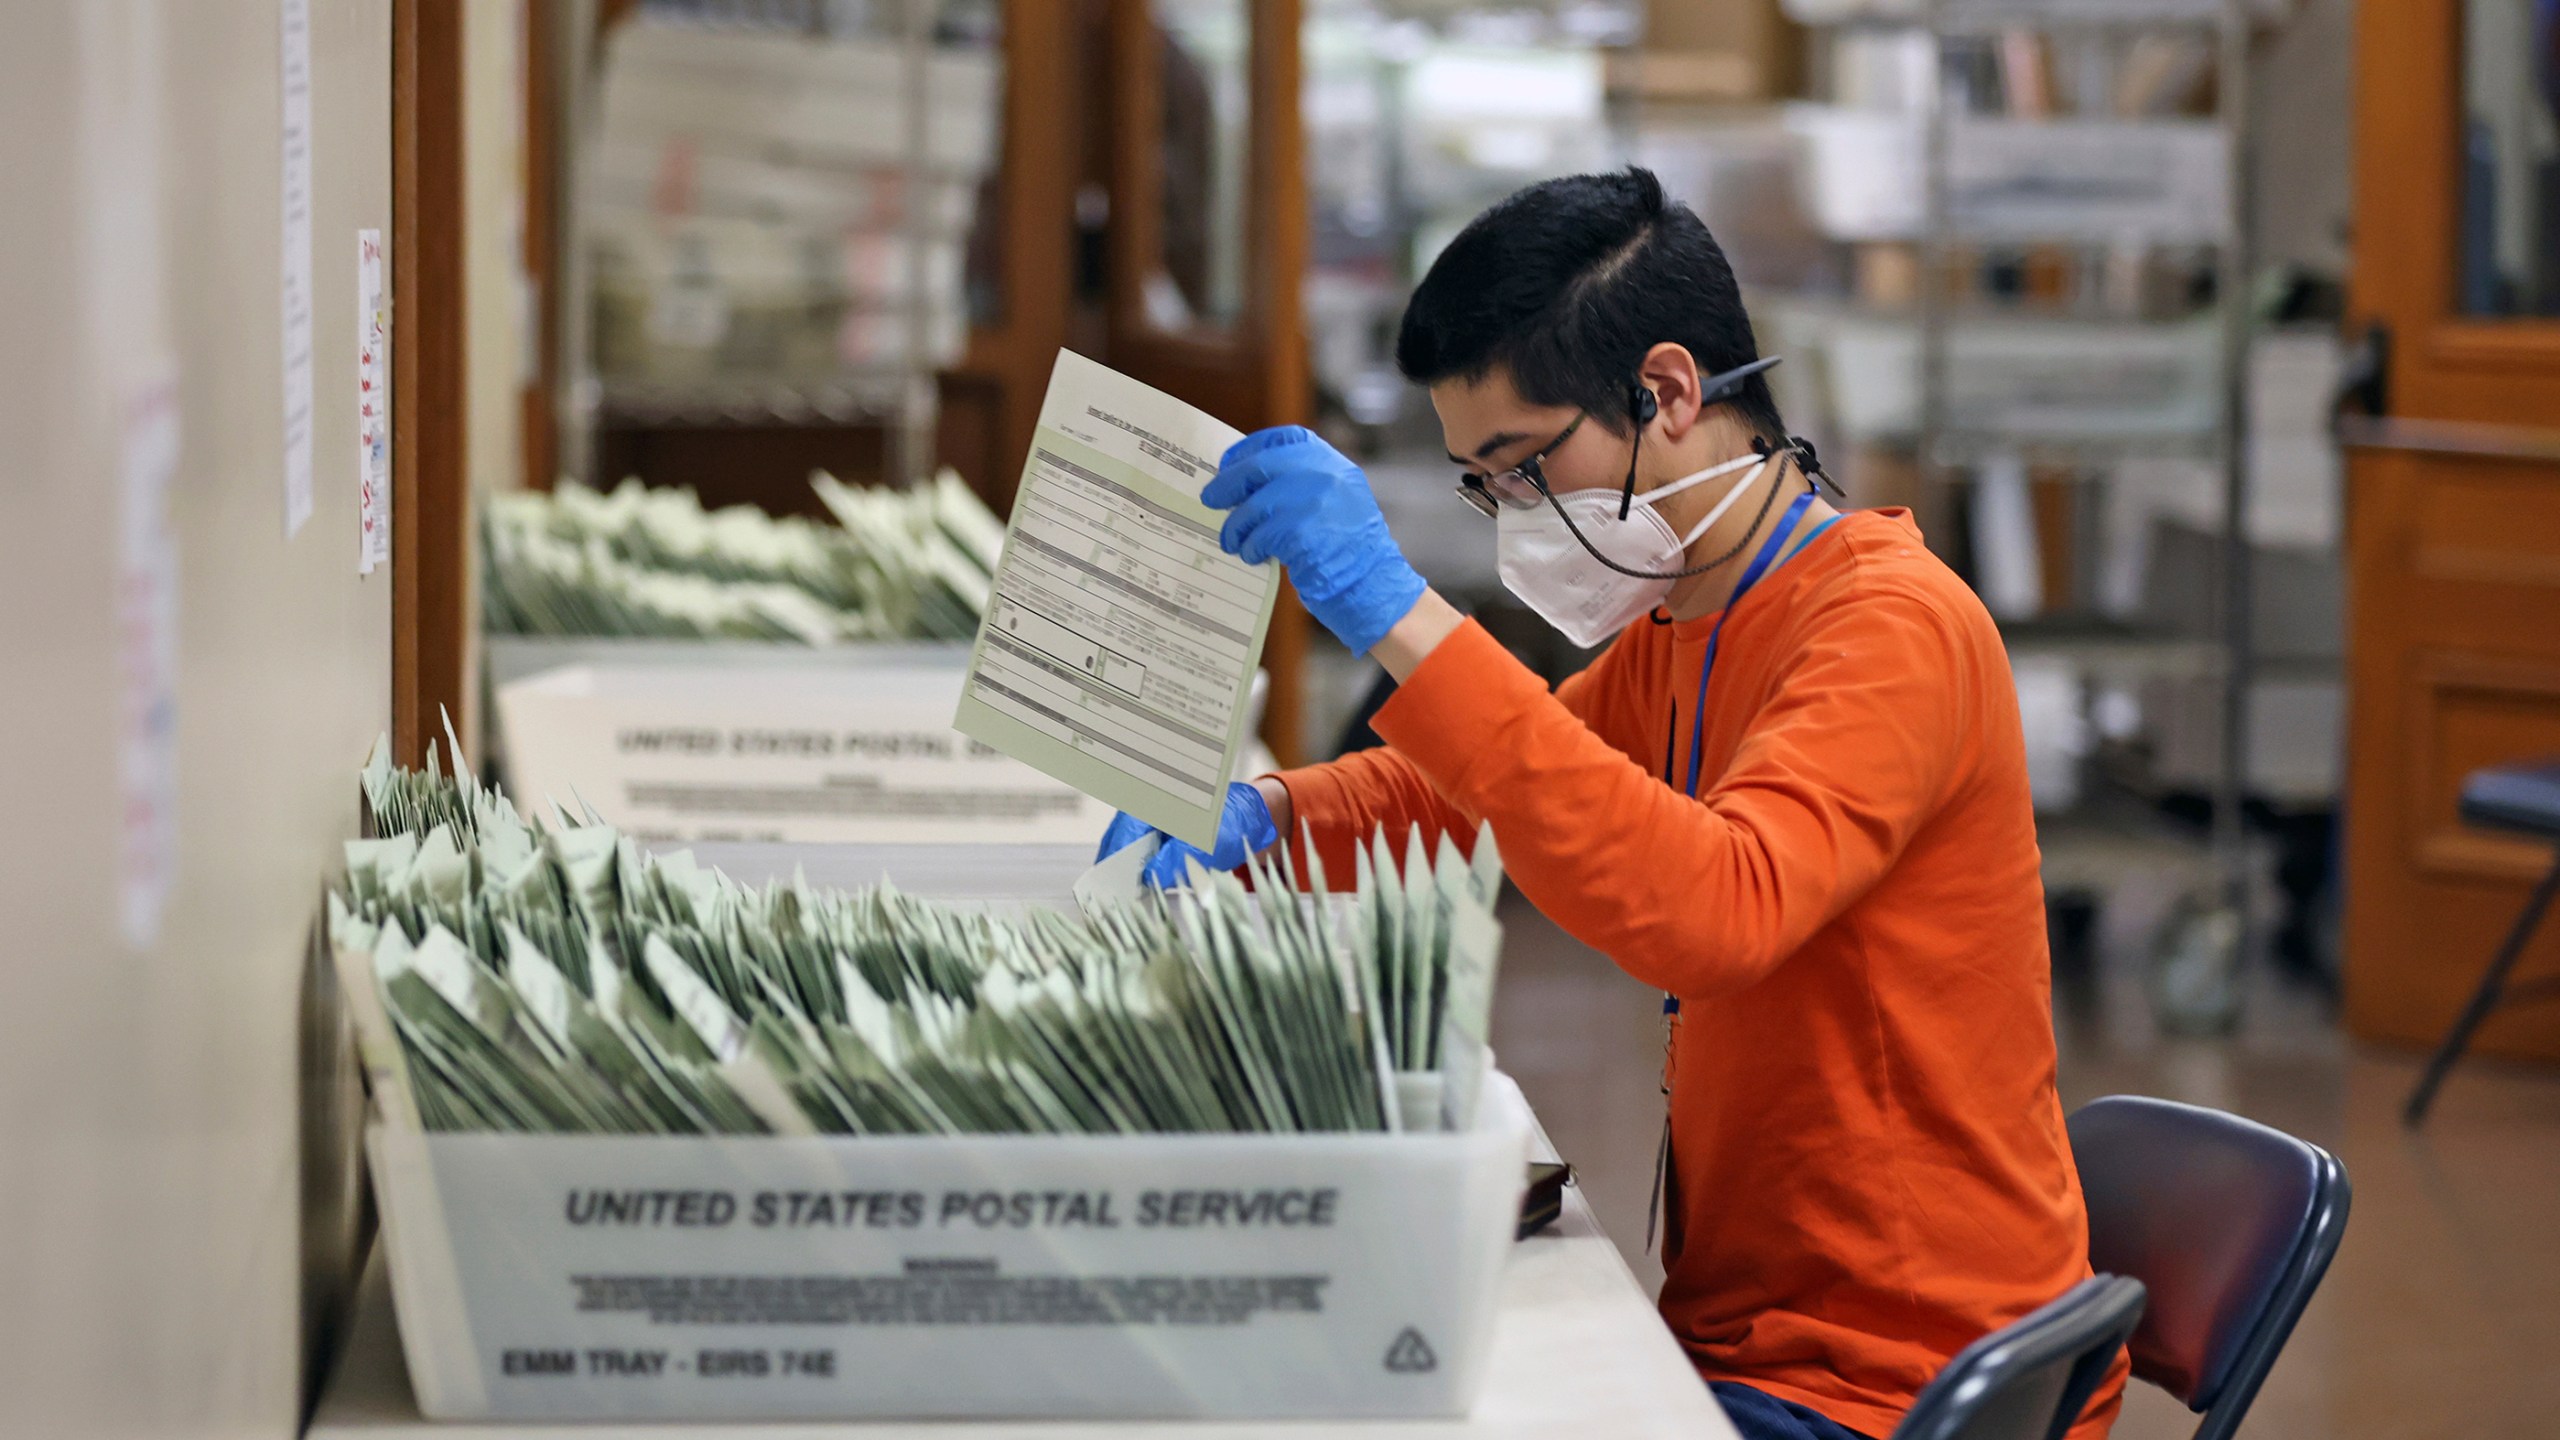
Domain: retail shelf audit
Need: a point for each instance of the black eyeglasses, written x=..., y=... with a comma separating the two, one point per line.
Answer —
x=1522, y=487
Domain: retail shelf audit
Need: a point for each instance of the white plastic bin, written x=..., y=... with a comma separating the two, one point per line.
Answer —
x=1196, y=1276
x=741, y=742
x=2029, y=379
x=849, y=753
x=2027, y=181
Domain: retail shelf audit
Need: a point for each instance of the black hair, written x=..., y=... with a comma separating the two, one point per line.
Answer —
x=1566, y=285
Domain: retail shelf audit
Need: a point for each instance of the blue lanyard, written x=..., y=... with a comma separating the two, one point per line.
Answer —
x=1761, y=564
x=1810, y=536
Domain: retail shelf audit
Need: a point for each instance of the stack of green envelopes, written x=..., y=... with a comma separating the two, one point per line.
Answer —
x=506, y=975
x=897, y=564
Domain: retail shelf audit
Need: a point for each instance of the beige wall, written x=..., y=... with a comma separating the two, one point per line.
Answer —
x=493, y=214
x=149, y=1124
x=497, y=326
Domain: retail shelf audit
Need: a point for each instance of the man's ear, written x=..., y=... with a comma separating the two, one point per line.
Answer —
x=1671, y=373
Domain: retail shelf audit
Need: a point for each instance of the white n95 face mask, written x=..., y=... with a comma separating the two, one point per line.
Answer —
x=1562, y=578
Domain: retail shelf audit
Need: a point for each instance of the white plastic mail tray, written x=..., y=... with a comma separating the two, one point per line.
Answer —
x=1193, y=1276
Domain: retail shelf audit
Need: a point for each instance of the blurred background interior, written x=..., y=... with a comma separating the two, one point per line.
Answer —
x=2216, y=345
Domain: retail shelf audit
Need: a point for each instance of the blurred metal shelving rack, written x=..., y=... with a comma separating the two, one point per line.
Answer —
x=2079, y=203
x=2195, y=982
x=897, y=392
x=855, y=397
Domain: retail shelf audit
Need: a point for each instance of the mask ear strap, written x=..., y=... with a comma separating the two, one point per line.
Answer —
x=1731, y=498
x=1762, y=518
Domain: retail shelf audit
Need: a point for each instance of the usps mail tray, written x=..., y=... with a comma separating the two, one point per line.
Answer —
x=575, y=1277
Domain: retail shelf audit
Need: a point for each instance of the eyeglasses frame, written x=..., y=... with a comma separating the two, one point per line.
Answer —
x=1482, y=498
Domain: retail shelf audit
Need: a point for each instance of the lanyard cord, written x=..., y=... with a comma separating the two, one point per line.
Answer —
x=1768, y=558
x=1761, y=564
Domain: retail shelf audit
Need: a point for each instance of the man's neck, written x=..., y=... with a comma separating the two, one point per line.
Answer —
x=1740, y=533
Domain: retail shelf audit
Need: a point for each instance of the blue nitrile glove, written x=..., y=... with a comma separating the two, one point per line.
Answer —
x=1298, y=500
x=1245, y=829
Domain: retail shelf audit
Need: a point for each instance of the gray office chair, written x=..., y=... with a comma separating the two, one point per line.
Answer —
x=2228, y=1223
x=2031, y=1379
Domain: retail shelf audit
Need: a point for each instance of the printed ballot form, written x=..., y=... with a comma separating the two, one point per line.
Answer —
x=1118, y=651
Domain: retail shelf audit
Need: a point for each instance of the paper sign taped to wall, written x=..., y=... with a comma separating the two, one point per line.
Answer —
x=294, y=39
x=1119, y=650
x=373, y=406
x=147, y=658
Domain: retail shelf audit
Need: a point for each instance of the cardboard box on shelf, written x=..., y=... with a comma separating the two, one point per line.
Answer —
x=1886, y=274
x=1737, y=168
x=1745, y=50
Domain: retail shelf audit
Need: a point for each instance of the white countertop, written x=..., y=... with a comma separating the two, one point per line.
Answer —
x=1578, y=1350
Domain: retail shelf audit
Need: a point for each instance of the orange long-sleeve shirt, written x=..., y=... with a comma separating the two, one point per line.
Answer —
x=1868, y=1158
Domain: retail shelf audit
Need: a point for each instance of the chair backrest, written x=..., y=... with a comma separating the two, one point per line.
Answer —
x=2227, y=1223
x=2031, y=1379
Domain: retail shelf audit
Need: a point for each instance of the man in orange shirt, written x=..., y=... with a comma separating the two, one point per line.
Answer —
x=1792, y=794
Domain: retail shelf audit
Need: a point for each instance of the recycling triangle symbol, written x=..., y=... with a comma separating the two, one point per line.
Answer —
x=1411, y=1354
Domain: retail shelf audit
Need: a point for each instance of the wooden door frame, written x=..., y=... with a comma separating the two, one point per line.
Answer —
x=1254, y=373
x=431, y=611
x=1036, y=176
x=1234, y=367
x=2446, y=365
x=2442, y=623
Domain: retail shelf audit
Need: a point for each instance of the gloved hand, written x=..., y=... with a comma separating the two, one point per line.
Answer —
x=1245, y=828
x=1296, y=499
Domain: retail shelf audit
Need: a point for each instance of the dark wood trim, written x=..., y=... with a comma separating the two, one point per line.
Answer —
x=2450, y=437
x=430, y=466
x=2408, y=55
x=2441, y=844
x=1277, y=222
x=1133, y=108
x=1045, y=101
x=1276, y=213
x=2477, y=343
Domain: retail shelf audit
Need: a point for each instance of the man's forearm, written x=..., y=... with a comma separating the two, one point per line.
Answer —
x=1276, y=796
x=1407, y=643
x=1411, y=640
